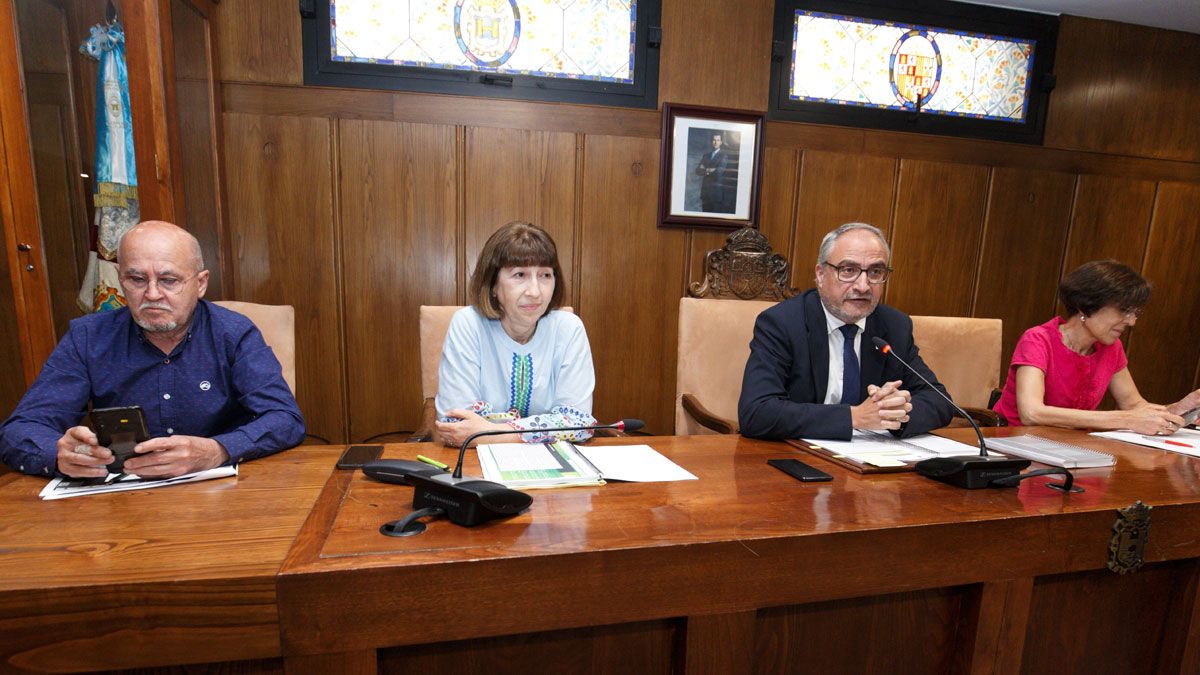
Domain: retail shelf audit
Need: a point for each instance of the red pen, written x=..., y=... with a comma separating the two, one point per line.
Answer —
x=1169, y=441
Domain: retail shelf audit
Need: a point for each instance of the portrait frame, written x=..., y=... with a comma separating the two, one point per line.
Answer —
x=711, y=167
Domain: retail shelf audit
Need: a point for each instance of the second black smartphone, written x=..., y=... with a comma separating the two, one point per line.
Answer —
x=799, y=470
x=119, y=430
x=357, y=456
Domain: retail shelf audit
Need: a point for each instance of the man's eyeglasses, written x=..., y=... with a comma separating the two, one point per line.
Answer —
x=876, y=274
x=166, y=284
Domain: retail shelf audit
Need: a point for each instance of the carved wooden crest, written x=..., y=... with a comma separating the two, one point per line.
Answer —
x=745, y=268
x=1128, y=542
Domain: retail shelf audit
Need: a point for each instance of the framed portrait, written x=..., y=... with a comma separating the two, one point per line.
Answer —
x=711, y=167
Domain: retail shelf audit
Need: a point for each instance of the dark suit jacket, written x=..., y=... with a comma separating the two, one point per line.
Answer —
x=787, y=374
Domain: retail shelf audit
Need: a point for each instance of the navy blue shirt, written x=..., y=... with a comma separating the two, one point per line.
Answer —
x=221, y=382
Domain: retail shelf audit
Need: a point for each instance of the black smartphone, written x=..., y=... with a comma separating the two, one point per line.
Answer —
x=119, y=430
x=1190, y=416
x=356, y=456
x=799, y=470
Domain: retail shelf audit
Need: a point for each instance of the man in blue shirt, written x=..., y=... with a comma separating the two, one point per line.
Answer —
x=211, y=390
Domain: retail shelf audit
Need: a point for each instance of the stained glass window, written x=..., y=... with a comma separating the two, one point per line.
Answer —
x=576, y=39
x=898, y=66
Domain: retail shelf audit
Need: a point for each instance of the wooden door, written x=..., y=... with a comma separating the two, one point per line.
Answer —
x=26, y=321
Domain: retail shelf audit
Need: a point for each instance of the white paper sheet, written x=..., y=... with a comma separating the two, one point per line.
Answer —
x=62, y=488
x=884, y=450
x=634, y=463
x=1190, y=438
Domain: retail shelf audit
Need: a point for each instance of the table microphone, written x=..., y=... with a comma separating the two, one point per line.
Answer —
x=465, y=501
x=966, y=471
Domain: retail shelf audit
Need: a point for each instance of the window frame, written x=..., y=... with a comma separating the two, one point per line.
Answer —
x=320, y=69
x=1041, y=28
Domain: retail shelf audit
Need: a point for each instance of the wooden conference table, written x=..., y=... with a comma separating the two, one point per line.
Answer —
x=743, y=570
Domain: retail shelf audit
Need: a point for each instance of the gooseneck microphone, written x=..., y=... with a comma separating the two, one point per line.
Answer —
x=966, y=471
x=464, y=501
x=623, y=425
x=883, y=346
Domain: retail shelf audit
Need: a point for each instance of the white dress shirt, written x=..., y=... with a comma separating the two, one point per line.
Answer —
x=833, y=393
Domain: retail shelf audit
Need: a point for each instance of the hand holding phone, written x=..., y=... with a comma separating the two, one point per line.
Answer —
x=80, y=454
x=119, y=430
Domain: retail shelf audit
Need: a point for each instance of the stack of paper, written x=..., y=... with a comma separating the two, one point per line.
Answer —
x=1184, y=441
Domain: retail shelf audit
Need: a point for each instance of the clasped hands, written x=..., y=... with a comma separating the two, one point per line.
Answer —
x=885, y=407
x=454, y=433
x=80, y=455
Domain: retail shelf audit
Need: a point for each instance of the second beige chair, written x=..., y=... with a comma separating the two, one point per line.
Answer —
x=277, y=323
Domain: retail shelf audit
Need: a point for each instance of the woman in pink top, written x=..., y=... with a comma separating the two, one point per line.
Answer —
x=1061, y=369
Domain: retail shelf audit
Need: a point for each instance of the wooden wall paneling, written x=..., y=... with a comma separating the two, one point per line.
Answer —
x=631, y=272
x=1163, y=358
x=81, y=15
x=1125, y=90
x=514, y=174
x=1111, y=219
x=198, y=148
x=279, y=182
x=1025, y=232
x=716, y=53
x=259, y=41
x=838, y=188
x=780, y=190
x=398, y=209
x=935, y=239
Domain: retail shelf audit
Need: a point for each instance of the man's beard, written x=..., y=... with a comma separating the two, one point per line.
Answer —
x=835, y=308
x=162, y=327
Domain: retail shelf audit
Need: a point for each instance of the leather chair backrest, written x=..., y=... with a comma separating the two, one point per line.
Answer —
x=964, y=353
x=277, y=323
x=714, y=343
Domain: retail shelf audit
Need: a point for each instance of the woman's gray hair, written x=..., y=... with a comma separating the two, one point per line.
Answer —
x=827, y=242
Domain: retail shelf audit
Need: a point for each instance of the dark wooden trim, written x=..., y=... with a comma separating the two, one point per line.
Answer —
x=707, y=418
x=1000, y=623
x=149, y=105
x=361, y=662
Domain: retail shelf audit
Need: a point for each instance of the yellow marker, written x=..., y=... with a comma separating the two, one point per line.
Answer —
x=433, y=462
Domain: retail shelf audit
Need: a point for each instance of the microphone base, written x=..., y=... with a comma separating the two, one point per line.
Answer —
x=971, y=471
x=467, y=501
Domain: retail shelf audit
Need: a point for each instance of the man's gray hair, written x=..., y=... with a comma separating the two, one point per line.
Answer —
x=827, y=242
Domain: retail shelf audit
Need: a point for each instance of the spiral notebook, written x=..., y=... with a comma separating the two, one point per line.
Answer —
x=1051, y=452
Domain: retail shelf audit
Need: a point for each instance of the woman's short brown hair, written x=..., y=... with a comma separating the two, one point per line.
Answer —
x=1097, y=284
x=517, y=244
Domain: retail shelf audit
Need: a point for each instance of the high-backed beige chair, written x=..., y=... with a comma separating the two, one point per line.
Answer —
x=715, y=326
x=433, y=323
x=714, y=343
x=277, y=323
x=965, y=354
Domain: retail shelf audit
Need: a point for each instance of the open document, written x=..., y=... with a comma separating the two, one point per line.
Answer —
x=560, y=464
x=61, y=488
x=881, y=449
x=1184, y=441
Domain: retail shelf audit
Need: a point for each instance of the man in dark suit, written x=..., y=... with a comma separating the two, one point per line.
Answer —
x=713, y=169
x=813, y=370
